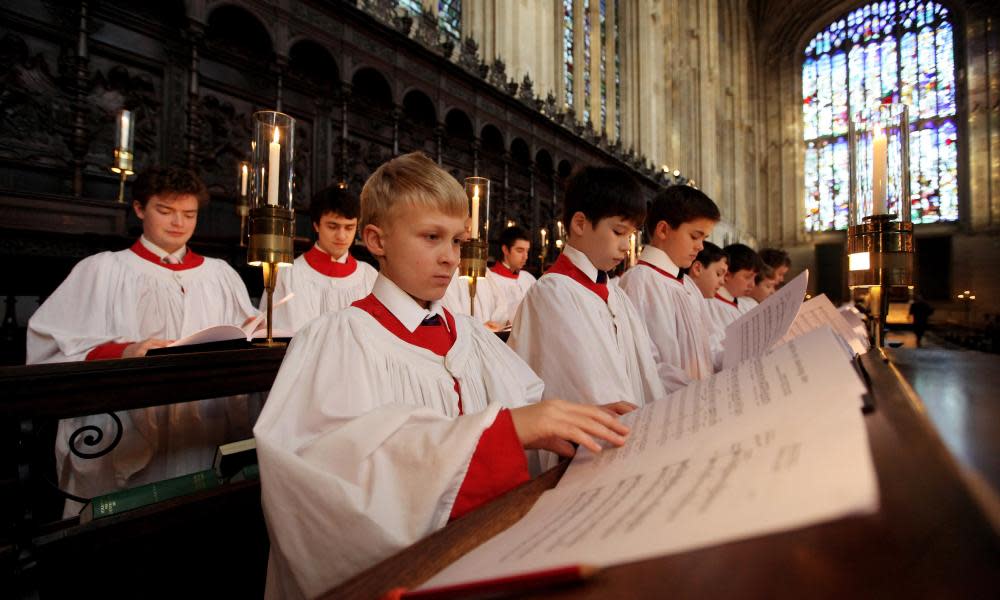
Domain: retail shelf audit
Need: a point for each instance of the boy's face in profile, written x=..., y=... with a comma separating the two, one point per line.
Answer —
x=683, y=244
x=709, y=279
x=764, y=289
x=516, y=256
x=740, y=283
x=605, y=243
x=418, y=249
x=335, y=233
x=168, y=220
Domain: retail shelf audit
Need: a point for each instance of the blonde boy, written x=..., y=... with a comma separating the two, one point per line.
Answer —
x=392, y=416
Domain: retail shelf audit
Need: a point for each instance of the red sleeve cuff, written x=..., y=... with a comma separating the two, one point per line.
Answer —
x=497, y=466
x=108, y=350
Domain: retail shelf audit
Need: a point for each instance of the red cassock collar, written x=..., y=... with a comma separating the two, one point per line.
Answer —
x=500, y=269
x=321, y=263
x=678, y=279
x=564, y=266
x=730, y=303
x=190, y=260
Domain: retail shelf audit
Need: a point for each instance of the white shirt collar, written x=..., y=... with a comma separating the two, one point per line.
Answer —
x=403, y=306
x=725, y=294
x=580, y=261
x=343, y=257
x=160, y=252
x=659, y=259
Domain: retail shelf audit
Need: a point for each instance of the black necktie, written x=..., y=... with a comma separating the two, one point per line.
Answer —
x=431, y=320
x=602, y=277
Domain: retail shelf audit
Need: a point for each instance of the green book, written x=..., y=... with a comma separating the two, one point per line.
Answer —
x=144, y=495
x=246, y=473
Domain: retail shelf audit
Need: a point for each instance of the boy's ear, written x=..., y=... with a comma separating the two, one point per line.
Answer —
x=316, y=227
x=696, y=269
x=577, y=223
x=661, y=229
x=373, y=237
x=139, y=212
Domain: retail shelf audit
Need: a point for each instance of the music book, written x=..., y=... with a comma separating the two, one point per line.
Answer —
x=232, y=457
x=773, y=444
x=757, y=331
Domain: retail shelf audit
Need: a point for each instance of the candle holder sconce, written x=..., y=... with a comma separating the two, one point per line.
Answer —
x=475, y=250
x=271, y=217
x=124, y=155
x=880, y=231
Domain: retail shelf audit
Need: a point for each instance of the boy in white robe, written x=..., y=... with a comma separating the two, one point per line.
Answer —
x=743, y=264
x=778, y=260
x=327, y=277
x=392, y=416
x=582, y=336
x=708, y=272
x=122, y=304
x=678, y=221
x=507, y=281
x=765, y=283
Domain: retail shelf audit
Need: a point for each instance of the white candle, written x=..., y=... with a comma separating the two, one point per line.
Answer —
x=273, y=166
x=543, y=232
x=126, y=124
x=475, y=212
x=879, y=175
x=243, y=180
x=631, y=255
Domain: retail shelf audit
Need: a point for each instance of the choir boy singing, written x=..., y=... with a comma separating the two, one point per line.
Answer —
x=765, y=283
x=582, y=336
x=122, y=304
x=743, y=265
x=671, y=305
x=393, y=416
x=327, y=277
x=507, y=281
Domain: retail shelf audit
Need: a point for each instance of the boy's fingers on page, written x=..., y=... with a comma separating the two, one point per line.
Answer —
x=602, y=416
x=620, y=408
x=580, y=437
x=599, y=430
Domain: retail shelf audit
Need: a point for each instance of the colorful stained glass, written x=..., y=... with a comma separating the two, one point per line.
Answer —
x=414, y=6
x=891, y=51
x=604, y=68
x=618, y=79
x=450, y=17
x=568, y=50
x=586, y=60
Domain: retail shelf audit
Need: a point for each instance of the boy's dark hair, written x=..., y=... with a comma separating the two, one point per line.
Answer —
x=709, y=254
x=334, y=199
x=601, y=192
x=766, y=272
x=680, y=204
x=510, y=235
x=740, y=257
x=775, y=257
x=168, y=181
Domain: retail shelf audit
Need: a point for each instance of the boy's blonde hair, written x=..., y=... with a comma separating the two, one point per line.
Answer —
x=410, y=180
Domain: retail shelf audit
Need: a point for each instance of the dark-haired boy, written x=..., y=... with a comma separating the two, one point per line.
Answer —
x=679, y=220
x=325, y=278
x=507, y=281
x=709, y=269
x=744, y=264
x=765, y=282
x=122, y=304
x=778, y=260
x=582, y=336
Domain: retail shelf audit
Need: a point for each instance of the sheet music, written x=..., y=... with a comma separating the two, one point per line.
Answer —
x=755, y=332
x=819, y=311
x=774, y=444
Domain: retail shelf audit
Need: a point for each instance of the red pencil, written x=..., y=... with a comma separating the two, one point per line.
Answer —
x=505, y=586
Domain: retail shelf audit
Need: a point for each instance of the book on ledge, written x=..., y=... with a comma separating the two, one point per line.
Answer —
x=130, y=499
x=220, y=337
x=232, y=457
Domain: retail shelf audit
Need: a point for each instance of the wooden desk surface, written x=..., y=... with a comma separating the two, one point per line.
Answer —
x=928, y=540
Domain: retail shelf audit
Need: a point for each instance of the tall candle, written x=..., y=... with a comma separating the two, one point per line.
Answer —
x=273, y=166
x=631, y=253
x=879, y=175
x=243, y=180
x=126, y=124
x=544, y=233
x=475, y=212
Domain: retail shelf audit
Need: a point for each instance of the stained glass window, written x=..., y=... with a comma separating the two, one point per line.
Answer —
x=568, y=50
x=414, y=6
x=892, y=51
x=586, y=60
x=450, y=17
x=604, y=68
x=618, y=79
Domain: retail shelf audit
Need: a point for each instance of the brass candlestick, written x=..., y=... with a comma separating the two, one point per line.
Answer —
x=124, y=137
x=476, y=249
x=271, y=218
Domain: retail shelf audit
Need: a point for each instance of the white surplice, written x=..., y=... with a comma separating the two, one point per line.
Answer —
x=585, y=350
x=316, y=293
x=123, y=297
x=362, y=449
x=507, y=293
x=747, y=304
x=671, y=306
x=723, y=309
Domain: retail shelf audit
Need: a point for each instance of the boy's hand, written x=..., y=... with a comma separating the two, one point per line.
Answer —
x=619, y=408
x=138, y=349
x=557, y=424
